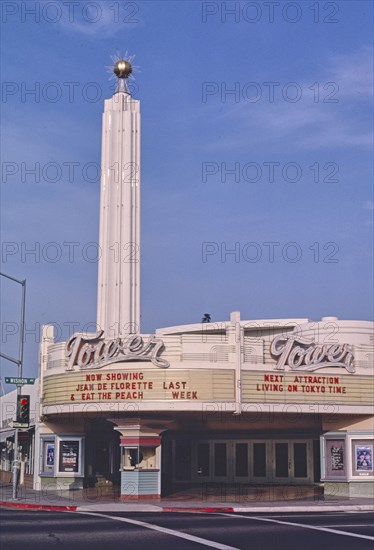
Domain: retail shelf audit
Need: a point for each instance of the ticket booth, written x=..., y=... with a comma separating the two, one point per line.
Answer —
x=140, y=463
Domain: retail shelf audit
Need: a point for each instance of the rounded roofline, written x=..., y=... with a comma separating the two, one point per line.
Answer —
x=263, y=323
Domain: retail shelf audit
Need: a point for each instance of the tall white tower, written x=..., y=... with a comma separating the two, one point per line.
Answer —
x=118, y=307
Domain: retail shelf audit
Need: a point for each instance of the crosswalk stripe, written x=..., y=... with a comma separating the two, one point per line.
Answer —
x=302, y=525
x=165, y=530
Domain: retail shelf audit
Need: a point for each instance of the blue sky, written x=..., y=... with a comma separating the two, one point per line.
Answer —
x=315, y=133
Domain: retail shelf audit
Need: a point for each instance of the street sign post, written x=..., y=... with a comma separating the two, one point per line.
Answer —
x=19, y=363
x=18, y=425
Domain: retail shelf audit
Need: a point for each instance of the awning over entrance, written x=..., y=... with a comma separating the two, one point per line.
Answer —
x=5, y=435
x=22, y=433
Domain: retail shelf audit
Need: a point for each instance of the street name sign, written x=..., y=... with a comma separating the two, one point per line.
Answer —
x=20, y=381
x=15, y=424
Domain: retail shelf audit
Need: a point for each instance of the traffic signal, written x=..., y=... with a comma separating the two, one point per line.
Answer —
x=23, y=409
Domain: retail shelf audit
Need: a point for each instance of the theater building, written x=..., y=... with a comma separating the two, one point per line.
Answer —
x=246, y=402
x=283, y=401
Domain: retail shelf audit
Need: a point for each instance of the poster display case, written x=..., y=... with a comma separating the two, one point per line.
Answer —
x=362, y=458
x=70, y=456
x=335, y=458
x=347, y=457
x=47, y=456
x=61, y=456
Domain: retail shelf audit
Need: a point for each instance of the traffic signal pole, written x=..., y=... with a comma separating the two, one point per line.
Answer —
x=16, y=462
x=18, y=362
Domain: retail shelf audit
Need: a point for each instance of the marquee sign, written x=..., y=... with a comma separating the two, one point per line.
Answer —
x=137, y=385
x=305, y=355
x=101, y=390
x=296, y=387
x=94, y=352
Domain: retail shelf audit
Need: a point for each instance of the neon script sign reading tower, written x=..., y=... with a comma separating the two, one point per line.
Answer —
x=305, y=355
x=94, y=352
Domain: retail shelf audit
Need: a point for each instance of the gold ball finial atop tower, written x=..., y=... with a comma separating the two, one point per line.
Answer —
x=122, y=68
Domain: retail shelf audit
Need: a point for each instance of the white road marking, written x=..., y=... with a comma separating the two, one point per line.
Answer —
x=172, y=532
x=358, y=512
x=303, y=525
x=351, y=525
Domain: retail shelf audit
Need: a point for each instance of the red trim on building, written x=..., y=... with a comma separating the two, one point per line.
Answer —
x=143, y=441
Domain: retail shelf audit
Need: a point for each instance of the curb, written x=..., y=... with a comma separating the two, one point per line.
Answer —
x=25, y=506
x=196, y=509
x=276, y=509
x=302, y=509
x=201, y=510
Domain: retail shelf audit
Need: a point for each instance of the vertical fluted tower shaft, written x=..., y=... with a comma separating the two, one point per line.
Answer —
x=118, y=310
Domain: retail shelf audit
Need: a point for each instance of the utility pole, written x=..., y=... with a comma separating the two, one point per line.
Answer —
x=19, y=363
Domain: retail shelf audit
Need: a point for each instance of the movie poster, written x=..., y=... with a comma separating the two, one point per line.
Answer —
x=69, y=456
x=335, y=460
x=364, y=458
x=49, y=457
x=337, y=457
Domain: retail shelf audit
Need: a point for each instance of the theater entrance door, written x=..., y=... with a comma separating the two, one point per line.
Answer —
x=257, y=461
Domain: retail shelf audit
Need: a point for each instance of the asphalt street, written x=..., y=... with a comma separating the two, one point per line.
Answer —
x=292, y=531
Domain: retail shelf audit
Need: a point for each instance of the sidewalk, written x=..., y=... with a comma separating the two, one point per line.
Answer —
x=51, y=500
